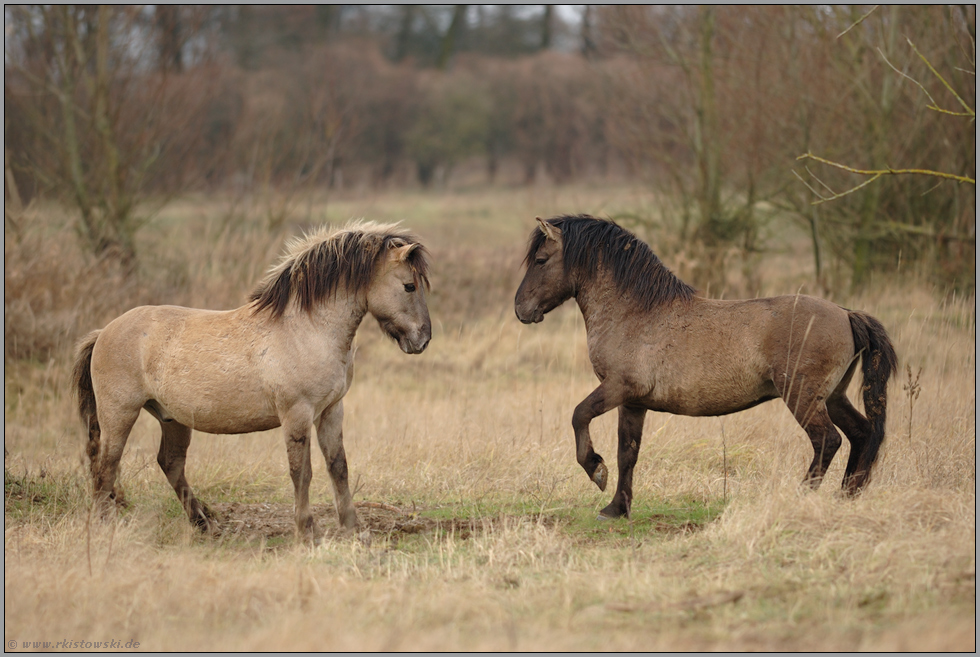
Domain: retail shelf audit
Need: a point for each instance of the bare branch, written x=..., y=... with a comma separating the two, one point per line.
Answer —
x=858, y=21
x=815, y=192
x=969, y=109
x=948, y=112
x=824, y=199
x=826, y=186
x=890, y=171
x=907, y=77
x=875, y=174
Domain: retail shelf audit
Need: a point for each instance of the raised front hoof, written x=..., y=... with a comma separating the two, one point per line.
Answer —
x=601, y=476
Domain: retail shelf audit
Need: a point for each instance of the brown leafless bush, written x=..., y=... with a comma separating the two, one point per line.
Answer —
x=718, y=103
x=53, y=291
x=95, y=124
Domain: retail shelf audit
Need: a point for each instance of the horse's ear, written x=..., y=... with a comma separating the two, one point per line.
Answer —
x=551, y=231
x=401, y=253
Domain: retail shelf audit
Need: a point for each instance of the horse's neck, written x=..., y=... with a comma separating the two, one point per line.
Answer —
x=341, y=317
x=331, y=324
x=601, y=303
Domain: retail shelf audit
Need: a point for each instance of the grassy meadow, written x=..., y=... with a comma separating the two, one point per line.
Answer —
x=483, y=527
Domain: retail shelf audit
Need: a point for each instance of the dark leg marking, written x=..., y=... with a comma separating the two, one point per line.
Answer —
x=630, y=433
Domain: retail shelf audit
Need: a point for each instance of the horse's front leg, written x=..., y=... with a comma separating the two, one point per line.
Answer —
x=296, y=427
x=330, y=435
x=606, y=397
x=630, y=433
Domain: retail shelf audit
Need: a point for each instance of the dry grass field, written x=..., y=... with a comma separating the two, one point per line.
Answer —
x=483, y=526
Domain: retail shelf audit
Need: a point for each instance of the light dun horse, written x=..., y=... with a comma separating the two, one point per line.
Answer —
x=284, y=359
x=656, y=346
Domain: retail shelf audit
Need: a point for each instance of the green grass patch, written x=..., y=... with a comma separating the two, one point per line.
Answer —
x=659, y=517
x=648, y=519
x=42, y=495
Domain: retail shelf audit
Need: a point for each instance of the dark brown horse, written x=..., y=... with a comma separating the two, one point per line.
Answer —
x=657, y=346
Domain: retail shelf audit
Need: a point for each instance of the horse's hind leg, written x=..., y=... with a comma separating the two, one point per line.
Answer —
x=825, y=440
x=857, y=428
x=172, y=457
x=115, y=423
x=630, y=432
x=330, y=435
x=810, y=410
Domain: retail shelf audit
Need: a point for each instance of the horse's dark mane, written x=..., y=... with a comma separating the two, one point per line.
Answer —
x=318, y=264
x=589, y=244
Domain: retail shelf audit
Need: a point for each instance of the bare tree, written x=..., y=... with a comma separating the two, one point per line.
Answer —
x=99, y=123
x=892, y=129
x=670, y=99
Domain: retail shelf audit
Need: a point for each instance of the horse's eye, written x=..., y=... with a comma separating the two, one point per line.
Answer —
x=409, y=287
x=540, y=261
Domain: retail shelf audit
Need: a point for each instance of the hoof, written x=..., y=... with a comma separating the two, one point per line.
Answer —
x=612, y=512
x=205, y=525
x=205, y=520
x=307, y=532
x=601, y=476
x=119, y=497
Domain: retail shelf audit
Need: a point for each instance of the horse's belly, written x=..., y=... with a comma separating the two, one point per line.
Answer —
x=710, y=400
x=224, y=415
x=247, y=425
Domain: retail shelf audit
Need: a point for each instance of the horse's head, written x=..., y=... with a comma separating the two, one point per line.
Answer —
x=546, y=283
x=396, y=298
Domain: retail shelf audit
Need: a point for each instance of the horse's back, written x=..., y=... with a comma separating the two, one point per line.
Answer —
x=815, y=326
x=776, y=330
x=119, y=356
x=143, y=339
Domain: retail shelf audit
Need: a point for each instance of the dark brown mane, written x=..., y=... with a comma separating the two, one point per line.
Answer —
x=318, y=264
x=589, y=243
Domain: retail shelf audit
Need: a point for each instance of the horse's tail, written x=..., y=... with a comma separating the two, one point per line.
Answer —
x=878, y=362
x=84, y=393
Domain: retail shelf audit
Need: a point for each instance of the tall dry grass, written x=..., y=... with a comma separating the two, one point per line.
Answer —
x=475, y=434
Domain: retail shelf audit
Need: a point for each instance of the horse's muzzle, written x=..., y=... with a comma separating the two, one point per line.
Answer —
x=416, y=344
x=413, y=348
x=532, y=317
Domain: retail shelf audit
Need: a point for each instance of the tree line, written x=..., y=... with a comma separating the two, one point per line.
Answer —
x=112, y=109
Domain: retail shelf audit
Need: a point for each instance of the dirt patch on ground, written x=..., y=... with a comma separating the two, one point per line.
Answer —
x=269, y=521
x=255, y=522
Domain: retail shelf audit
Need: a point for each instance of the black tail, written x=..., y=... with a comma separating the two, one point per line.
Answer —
x=81, y=384
x=878, y=362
